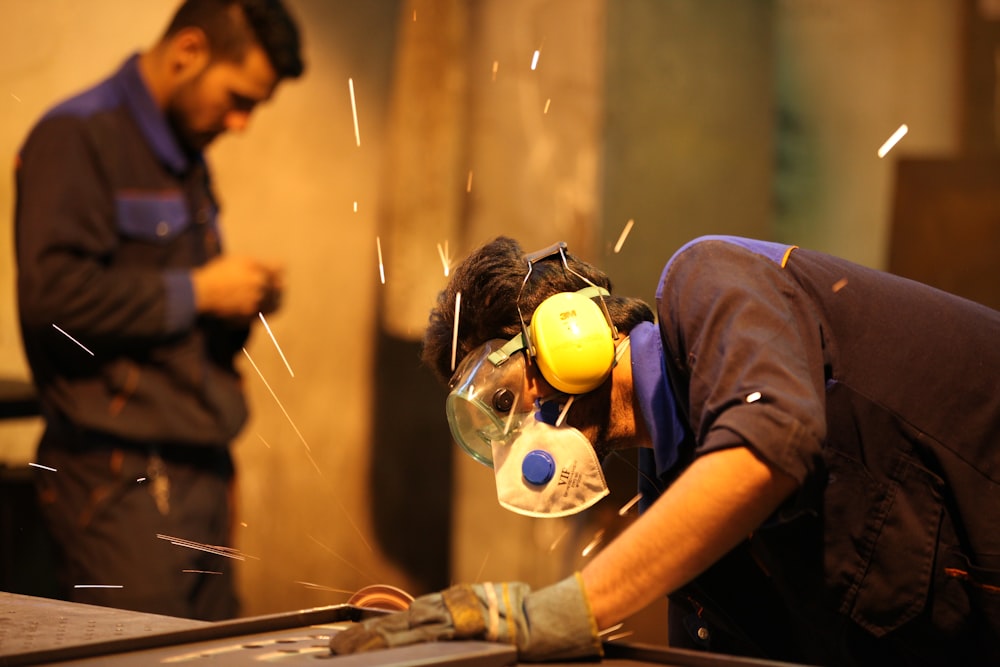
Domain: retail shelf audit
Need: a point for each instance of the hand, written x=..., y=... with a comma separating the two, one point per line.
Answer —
x=553, y=623
x=237, y=287
x=271, y=301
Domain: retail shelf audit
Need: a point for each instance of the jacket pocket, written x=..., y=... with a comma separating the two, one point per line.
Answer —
x=155, y=217
x=892, y=529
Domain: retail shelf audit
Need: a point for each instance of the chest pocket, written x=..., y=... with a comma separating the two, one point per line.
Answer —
x=154, y=217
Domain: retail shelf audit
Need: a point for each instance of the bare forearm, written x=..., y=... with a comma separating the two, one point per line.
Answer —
x=715, y=503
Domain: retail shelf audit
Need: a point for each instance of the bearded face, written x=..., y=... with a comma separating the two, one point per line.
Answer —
x=219, y=98
x=591, y=415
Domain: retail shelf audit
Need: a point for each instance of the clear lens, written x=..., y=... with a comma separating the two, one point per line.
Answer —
x=474, y=428
x=477, y=419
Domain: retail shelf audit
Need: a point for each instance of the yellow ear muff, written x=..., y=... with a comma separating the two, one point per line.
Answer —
x=574, y=344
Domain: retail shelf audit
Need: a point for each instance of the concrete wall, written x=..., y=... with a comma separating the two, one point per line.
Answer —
x=848, y=75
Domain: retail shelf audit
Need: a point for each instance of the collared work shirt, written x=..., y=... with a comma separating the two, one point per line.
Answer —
x=111, y=216
x=879, y=396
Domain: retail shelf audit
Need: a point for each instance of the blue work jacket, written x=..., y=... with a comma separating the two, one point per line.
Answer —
x=877, y=394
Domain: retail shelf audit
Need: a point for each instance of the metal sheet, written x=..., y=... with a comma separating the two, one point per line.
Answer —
x=37, y=631
x=31, y=624
x=305, y=646
x=40, y=631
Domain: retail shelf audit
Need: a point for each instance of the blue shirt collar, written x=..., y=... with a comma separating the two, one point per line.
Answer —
x=150, y=118
x=655, y=397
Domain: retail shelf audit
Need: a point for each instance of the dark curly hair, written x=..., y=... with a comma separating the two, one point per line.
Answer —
x=489, y=280
x=231, y=26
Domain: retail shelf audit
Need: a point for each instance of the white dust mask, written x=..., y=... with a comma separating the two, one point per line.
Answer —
x=547, y=471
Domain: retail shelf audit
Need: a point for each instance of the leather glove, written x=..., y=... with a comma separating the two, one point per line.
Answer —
x=553, y=623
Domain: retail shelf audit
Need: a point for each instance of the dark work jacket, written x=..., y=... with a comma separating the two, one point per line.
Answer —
x=880, y=396
x=111, y=216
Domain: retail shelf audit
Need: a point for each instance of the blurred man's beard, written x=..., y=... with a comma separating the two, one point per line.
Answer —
x=591, y=414
x=186, y=138
x=192, y=142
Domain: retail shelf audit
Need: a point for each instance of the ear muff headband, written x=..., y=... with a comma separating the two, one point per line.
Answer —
x=573, y=341
x=571, y=337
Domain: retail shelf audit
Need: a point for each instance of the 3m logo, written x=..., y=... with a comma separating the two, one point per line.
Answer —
x=566, y=314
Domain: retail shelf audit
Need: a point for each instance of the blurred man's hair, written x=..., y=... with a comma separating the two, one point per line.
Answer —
x=489, y=280
x=232, y=26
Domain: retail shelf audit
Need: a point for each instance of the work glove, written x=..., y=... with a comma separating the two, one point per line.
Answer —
x=553, y=623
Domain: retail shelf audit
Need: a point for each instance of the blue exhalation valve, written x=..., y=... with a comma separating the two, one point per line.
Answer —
x=538, y=467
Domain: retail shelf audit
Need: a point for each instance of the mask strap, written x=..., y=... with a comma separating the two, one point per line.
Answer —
x=558, y=249
x=520, y=341
x=509, y=349
x=562, y=414
x=622, y=348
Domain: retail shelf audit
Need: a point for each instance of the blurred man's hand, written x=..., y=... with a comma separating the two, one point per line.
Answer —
x=237, y=287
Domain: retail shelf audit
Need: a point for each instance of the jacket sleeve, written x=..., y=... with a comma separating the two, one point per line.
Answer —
x=749, y=346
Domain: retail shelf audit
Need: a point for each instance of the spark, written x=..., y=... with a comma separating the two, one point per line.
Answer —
x=278, y=347
x=562, y=415
x=624, y=235
x=320, y=587
x=555, y=542
x=200, y=572
x=893, y=140
x=15, y=97
x=355, y=207
x=547, y=103
x=354, y=110
x=454, y=334
x=228, y=552
x=275, y=396
x=468, y=182
x=264, y=441
x=534, y=60
x=381, y=266
x=98, y=586
x=496, y=66
x=479, y=575
x=629, y=505
x=613, y=628
x=414, y=14
x=445, y=258
x=341, y=558
x=73, y=339
x=140, y=480
x=593, y=543
x=620, y=635
x=753, y=397
x=839, y=285
x=39, y=465
x=513, y=411
x=357, y=530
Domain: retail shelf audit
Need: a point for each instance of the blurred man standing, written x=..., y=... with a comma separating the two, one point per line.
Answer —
x=132, y=316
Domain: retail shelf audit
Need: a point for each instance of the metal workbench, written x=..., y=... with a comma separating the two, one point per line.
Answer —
x=36, y=631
